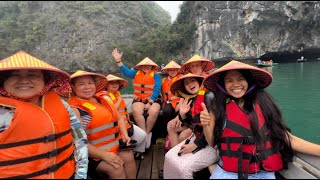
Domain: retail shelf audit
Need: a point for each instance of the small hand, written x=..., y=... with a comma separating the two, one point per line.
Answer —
x=204, y=116
x=184, y=106
x=127, y=140
x=113, y=159
x=147, y=106
x=188, y=148
x=117, y=54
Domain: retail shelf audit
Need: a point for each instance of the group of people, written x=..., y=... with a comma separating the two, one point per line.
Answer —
x=60, y=126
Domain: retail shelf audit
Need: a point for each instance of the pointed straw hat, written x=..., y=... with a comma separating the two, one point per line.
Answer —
x=146, y=61
x=171, y=65
x=261, y=77
x=177, y=87
x=58, y=79
x=122, y=82
x=99, y=79
x=197, y=58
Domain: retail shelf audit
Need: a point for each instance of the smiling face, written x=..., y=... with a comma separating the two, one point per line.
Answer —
x=24, y=84
x=146, y=68
x=196, y=68
x=235, y=83
x=172, y=72
x=191, y=85
x=84, y=87
x=113, y=86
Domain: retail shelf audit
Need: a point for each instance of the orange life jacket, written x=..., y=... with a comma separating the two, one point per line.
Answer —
x=122, y=109
x=238, y=150
x=166, y=93
x=143, y=85
x=38, y=143
x=103, y=129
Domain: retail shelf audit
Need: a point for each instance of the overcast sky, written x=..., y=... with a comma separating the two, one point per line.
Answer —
x=172, y=7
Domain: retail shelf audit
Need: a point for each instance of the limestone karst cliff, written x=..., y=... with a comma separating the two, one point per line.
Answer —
x=249, y=29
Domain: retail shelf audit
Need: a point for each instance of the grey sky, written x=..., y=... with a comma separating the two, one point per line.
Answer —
x=172, y=7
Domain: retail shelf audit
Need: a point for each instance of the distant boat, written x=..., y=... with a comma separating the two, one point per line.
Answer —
x=302, y=59
x=269, y=63
x=266, y=65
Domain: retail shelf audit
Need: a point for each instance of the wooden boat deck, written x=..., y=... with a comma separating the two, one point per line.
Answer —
x=152, y=165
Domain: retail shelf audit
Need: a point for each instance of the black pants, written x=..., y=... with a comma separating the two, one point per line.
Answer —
x=168, y=114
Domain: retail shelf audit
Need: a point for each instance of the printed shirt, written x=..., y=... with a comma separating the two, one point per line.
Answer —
x=79, y=138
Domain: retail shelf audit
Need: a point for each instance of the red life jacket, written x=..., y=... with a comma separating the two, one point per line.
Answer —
x=238, y=150
x=197, y=108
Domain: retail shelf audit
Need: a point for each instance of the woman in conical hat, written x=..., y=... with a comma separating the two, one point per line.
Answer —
x=32, y=113
x=244, y=117
x=112, y=91
x=147, y=87
x=197, y=65
x=170, y=101
x=191, y=154
x=103, y=126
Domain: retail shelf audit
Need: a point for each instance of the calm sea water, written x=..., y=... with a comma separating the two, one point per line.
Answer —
x=296, y=89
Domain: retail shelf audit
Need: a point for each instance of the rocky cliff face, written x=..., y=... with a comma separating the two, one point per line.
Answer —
x=249, y=29
x=76, y=34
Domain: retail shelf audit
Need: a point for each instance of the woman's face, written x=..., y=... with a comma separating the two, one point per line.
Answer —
x=84, y=87
x=113, y=86
x=24, y=84
x=146, y=68
x=191, y=85
x=172, y=72
x=235, y=83
x=196, y=68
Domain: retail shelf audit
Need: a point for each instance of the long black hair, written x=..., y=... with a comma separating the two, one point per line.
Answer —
x=276, y=127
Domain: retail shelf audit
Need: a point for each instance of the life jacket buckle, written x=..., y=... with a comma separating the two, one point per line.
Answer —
x=52, y=168
x=259, y=157
x=50, y=138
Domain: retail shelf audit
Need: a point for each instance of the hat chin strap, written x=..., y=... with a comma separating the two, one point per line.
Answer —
x=224, y=91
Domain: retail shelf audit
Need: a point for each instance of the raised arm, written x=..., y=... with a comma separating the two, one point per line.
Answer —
x=126, y=71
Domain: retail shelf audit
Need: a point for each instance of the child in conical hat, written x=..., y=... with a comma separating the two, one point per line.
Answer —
x=147, y=87
x=197, y=65
x=190, y=155
x=112, y=91
x=170, y=101
x=36, y=122
x=247, y=126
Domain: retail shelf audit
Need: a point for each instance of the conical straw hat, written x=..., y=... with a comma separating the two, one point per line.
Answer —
x=197, y=58
x=122, y=82
x=260, y=77
x=171, y=65
x=99, y=79
x=178, y=84
x=22, y=60
x=146, y=61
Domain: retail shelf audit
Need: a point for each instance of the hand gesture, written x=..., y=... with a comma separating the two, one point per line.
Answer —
x=188, y=148
x=204, y=116
x=184, y=106
x=117, y=54
x=113, y=159
x=147, y=106
x=126, y=139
